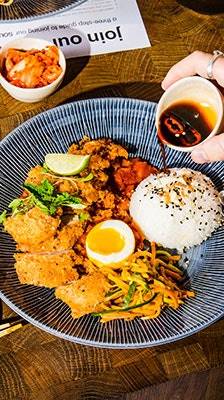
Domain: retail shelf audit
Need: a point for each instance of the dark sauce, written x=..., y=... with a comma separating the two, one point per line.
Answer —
x=163, y=153
x=186, y=123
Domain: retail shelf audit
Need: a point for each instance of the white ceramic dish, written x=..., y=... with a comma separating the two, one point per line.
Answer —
x=35, y=94
x=199, y=90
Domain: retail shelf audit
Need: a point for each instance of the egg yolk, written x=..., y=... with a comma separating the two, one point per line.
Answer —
x=105, y=240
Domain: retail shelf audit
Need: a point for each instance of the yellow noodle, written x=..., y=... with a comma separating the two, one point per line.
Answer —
x=139, y=279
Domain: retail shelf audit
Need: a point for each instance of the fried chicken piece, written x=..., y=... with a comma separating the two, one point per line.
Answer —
x=105, y=148
x=107, y=198
x=102, y=215
x=37, y=175
x=31, y=228
x=85, y=295
x=121, y=210
x=66, y=186
x=98, y=163
x=64, y=239
x=49, y=270
x=88, y=192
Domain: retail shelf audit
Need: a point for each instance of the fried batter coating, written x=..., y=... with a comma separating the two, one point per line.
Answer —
x=34, y=227
x=88, y=192
x=102, y=215
x=37, y=175
x=49, y=270
x=85, y=295
x=105, y=148
x=107, y=199
x=66, y=237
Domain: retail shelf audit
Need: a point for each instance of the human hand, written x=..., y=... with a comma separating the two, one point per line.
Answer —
x=196, y=64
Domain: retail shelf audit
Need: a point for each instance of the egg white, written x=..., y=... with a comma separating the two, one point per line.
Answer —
x=129, y=244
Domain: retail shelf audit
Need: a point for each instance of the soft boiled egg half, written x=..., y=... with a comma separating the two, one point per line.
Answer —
x=110, y=242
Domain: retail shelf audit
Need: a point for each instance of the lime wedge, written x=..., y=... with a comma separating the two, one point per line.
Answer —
x=66, y=164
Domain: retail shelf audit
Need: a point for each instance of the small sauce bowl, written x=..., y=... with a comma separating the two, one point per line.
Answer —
x=30, y=95
x=193, y=90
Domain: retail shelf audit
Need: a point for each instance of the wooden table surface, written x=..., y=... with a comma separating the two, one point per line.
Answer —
x=37, y=366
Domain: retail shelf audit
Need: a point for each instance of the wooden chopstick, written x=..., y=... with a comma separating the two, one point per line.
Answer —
x=8, y=323
x=11, y=329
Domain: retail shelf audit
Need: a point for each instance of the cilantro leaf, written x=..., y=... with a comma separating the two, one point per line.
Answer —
x=44, y=191
x=21, y=205
x=42, y=206
x=45, y=198
x=15, y=205
x=66, y=199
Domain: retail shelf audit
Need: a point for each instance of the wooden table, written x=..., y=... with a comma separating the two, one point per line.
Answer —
x=35, y=365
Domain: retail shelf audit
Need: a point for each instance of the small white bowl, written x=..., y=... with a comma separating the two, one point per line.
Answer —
x=31, y=95
x=198, y=90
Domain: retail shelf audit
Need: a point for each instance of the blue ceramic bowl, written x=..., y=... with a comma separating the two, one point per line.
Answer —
x=132, y=123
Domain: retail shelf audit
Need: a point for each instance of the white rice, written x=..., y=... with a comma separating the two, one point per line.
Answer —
x=178, y=209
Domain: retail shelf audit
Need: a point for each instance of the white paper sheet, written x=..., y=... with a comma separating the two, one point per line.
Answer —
x=96, y=27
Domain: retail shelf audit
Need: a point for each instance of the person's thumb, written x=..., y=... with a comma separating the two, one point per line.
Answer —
x=211, y=150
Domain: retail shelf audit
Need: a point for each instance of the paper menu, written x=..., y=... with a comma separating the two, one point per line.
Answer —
x=95, y=27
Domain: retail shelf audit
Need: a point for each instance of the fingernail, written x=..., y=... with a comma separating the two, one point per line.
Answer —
x=199, y=156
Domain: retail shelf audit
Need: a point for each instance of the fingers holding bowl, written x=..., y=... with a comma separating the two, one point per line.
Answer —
x=209, y=151
x=194, y=64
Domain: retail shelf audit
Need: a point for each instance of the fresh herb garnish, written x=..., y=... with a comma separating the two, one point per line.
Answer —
x=44, y=191
x=21, y=205
x=44, y=197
